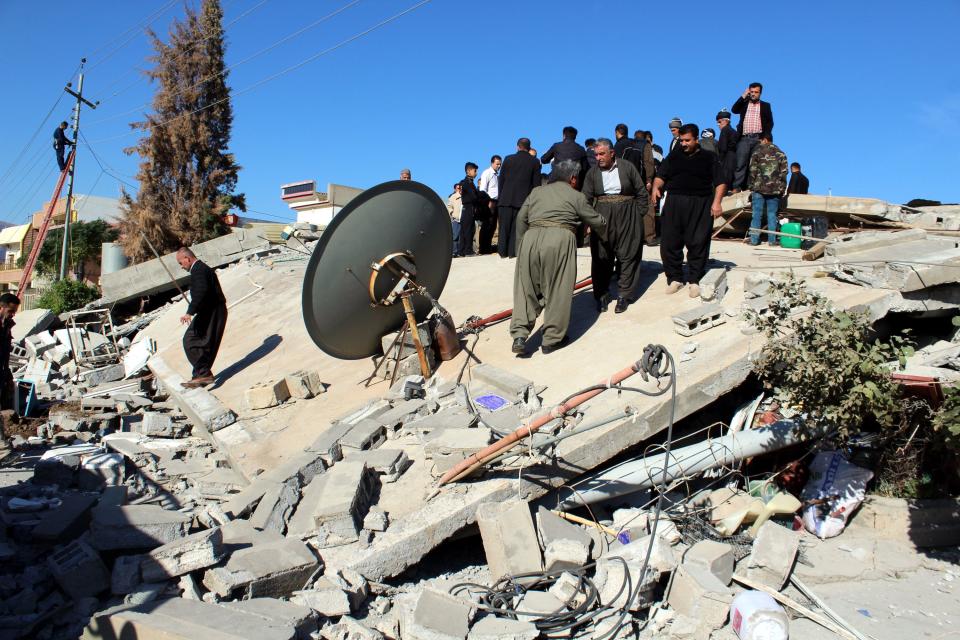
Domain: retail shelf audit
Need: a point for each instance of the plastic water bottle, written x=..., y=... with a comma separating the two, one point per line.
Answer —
x=754, y=615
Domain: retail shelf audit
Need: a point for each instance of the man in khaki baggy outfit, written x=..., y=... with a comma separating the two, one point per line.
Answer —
x=547, y=256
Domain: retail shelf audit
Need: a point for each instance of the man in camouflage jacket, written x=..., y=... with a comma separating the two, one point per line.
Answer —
x=768, y=182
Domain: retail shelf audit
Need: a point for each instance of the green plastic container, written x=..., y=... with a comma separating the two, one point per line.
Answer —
x=786, y=241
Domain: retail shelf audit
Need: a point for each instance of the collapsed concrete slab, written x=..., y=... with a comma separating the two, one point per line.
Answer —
x=151, y=277
x=196, y=551
x=136, y=527
x=906, y=261
x=271, y=569
x=183, y=619
x=205, y=412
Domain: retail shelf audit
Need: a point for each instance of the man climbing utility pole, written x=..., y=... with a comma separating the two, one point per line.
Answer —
x=78, y=94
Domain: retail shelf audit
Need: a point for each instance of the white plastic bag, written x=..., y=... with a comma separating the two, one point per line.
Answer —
x=838, y=487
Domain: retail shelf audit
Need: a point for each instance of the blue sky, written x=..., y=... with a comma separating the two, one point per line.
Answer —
x=865, y=95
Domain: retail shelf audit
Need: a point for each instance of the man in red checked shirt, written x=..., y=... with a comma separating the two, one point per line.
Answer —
x=756, y=118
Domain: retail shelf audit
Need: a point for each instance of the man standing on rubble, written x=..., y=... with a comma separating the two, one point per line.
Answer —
x=206, y=315
x=768, y=183
x=756, y=118
x=727, y=146
x=547, y=265
x=519, y=174
x=616, y=189
x=799, y=183
x=9, y=304
x=694, y=179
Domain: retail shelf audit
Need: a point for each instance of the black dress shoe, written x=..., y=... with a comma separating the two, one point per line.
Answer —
x=519, y=345
x=550, y=348
x=603, y=303
x=622, y=305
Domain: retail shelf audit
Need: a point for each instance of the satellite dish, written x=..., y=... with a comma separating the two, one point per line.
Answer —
x=394, y=235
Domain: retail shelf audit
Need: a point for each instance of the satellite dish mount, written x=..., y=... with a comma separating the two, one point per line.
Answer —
x=395, y=274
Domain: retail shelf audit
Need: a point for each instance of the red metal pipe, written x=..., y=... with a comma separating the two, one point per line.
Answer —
x=481, y=458
x=503, y=315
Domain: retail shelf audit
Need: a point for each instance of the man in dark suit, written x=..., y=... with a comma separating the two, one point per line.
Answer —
x=756, y=118
x=727, y=146
x=519, y=174
x=206, y=315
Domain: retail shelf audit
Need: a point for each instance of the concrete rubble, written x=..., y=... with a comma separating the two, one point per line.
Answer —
x=137, y=506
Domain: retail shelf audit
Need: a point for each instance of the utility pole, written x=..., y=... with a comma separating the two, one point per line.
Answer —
x=78, y=94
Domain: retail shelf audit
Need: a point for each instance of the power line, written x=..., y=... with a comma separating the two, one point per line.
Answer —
x=228, y=69
x=281, y=73
x=153, y=17
x=37, y=132
x=190, y=48
x=269, y=215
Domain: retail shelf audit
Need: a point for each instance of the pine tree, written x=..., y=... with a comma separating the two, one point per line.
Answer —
x=187, y=177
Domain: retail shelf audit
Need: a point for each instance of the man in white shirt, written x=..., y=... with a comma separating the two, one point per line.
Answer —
x=454, y=207
x=489, y=185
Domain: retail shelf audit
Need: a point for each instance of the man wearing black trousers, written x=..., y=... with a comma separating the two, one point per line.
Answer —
x=206, y=315
x=694, y=179
x=519, y=175
x=470, y=201
x=9, y=304
x=60, y=144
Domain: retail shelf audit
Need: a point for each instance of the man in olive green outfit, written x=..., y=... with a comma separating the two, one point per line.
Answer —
x=547, y=256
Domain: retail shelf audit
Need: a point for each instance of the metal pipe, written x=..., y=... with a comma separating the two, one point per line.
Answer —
x=481, y=458
x=639, y=474
x=503, y=315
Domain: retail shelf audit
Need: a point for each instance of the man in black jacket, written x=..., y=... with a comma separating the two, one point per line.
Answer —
x=756, y=118
x=519, y=175
x=470, y=201
x=727, y=146
x=60, y=144
x=9, y=304
x=566, y=149
x=206, y=315
x=799, y=183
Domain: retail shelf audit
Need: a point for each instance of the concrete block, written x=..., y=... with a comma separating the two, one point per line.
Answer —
x=195, y=551
x=349, y=629
x=510, y=385
x=389, y=464
x=103, y=375
x=698, y=319
x=136, y=527
x=266, y=395
x=407, y=348
x=366, y=434
x=713, y=285
x=38, y=343
x=185, y=619
x=773, y=554
x=343, y=503
x=715, y=557
x=453, y=418
x=561, y=555
x=302, y=467
x=325, y=598
x=58, y=355
x=355, y=585
x=304, y=384
x=402, y=411
x=756, y=285
x=376, y=520
x=66, y=521
x=271, y=569
x=327, y=444
x=567, y=589
x=494, y=628
x=279, y=613
x=611, y=579
x=538, y=604
x=552, y=527
x=67, y=420
x=663, y=559
x=155, y=424
x=438, y=616
x=449, y=447
x=126, y=575
x=509, y=538
x=78, y=570
x=698, y=594
x=101, y=470
x=277, y=505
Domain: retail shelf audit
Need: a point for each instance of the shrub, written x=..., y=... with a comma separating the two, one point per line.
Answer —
x=825, y=361
x=67, y=295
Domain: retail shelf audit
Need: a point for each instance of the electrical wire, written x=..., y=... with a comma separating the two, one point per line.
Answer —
x=233, y=66
x=283, y=72
x=132, y=31
x=190, y=48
